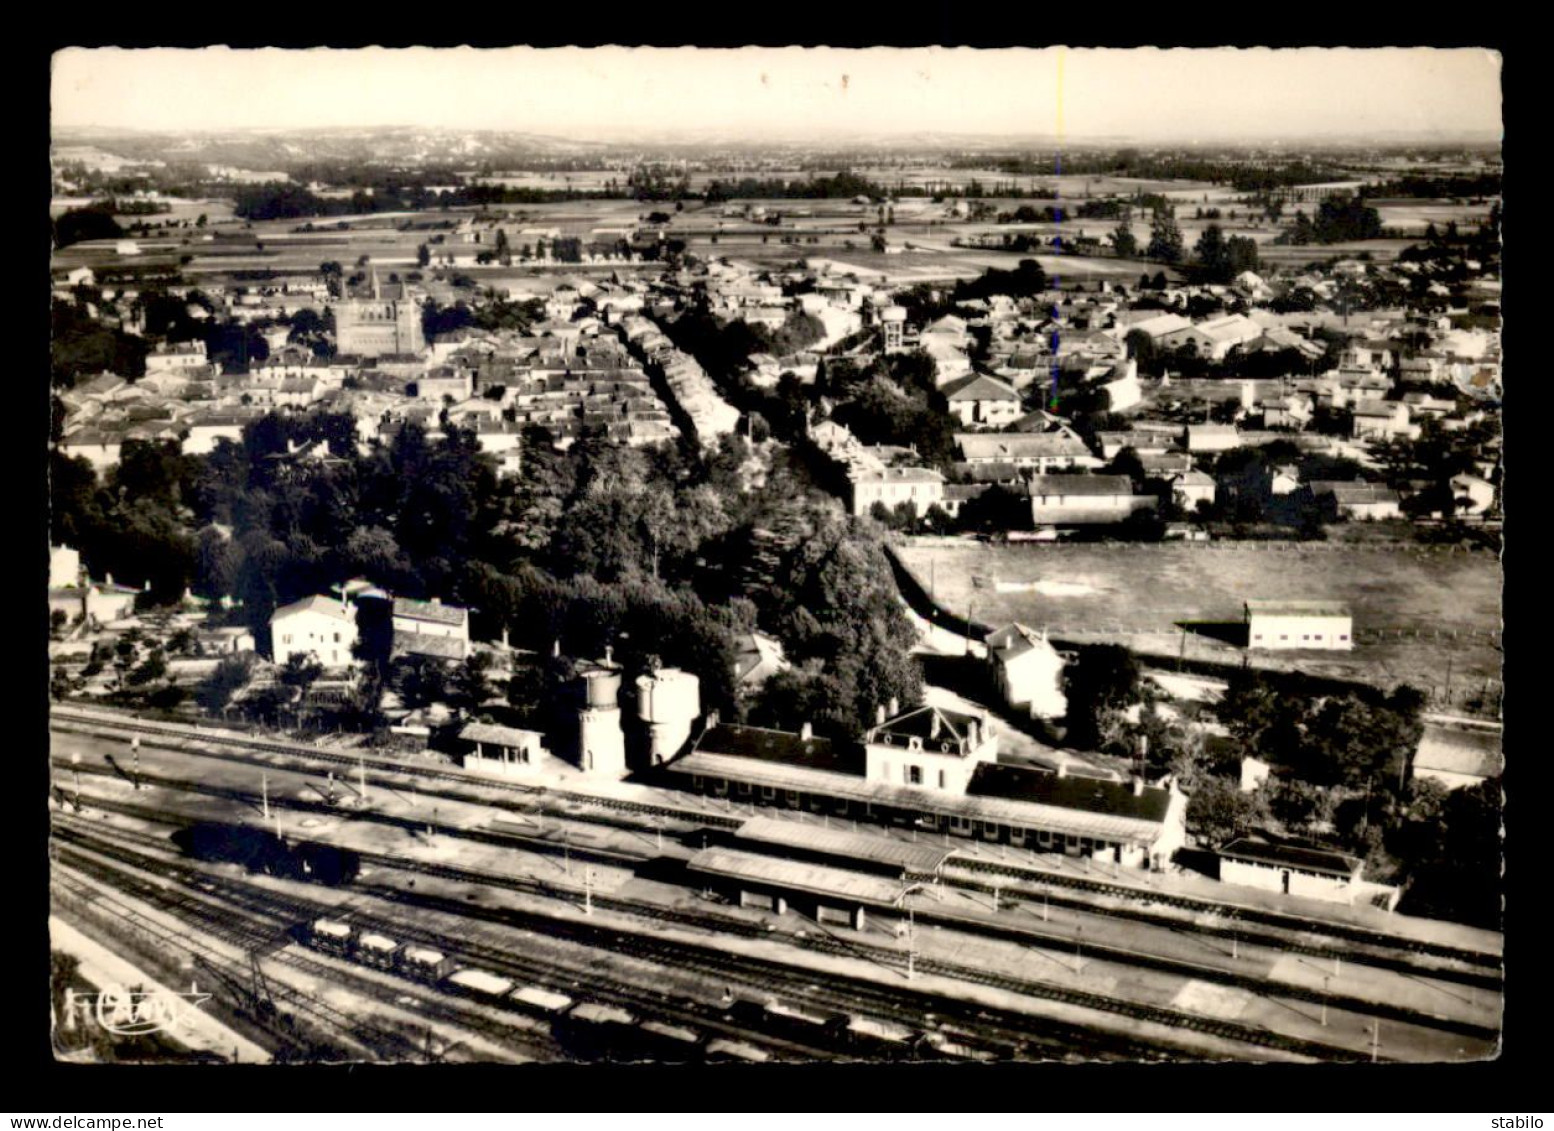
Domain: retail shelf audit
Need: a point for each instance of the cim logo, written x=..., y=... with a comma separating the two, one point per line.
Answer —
x=131, y=1013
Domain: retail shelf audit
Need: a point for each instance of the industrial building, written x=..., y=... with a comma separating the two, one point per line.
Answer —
x=1299, y=624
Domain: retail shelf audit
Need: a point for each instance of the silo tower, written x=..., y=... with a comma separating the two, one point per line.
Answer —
x=601, y=742
x=668, y=701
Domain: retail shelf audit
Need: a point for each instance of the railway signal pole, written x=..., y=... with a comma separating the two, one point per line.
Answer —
x=1324, y=999
x=135, y=759
x=264, y=794
x=75, y=773
x=588, y=891
x=1375, y=1040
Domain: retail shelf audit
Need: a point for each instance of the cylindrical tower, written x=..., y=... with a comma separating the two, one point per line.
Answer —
x=669, y=701
x=601, y=742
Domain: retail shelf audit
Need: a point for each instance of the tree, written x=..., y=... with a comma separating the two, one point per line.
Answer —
x=423, y=256
x=94, y=222
x=470, y=683
x=151, y=670
x=1213, y=255
x=1101, y=678
x=1124, y=242
x=300, y=672
x=232, y=675
x=1217, y=811
x=1165, y=238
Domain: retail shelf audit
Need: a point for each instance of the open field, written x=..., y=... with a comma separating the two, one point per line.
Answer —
x=1148, y=589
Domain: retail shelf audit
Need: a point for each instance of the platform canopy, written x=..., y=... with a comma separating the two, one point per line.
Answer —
x=845, y=844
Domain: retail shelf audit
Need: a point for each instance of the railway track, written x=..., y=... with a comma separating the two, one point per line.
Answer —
x=1297, y=936
x=1028, y=935
x=679, y=953
x=263, y=931
x=805, y=985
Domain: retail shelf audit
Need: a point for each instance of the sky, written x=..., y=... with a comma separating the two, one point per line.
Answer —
x=1140, y=94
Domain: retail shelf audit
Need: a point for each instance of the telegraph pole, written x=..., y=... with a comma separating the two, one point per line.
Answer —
x=135, y=759
x=588, y=891
x=264, y=794
x=1375, y=1040
x=75, y=772
x=361, y=776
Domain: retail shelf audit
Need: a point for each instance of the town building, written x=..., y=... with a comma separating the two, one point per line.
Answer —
x=1366, y=502
x=387, y=323
x=430, y=628
x=1041, y=452
x=981, y=400
x=502, y=750
x=1059, y=500
x=1028, y=671
x=317, y=626
x=1287, y=624
x=892, y=486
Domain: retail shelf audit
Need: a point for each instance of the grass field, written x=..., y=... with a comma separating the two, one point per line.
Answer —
x=1147, y=589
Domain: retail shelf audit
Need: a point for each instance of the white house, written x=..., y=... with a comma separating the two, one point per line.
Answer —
x=1189, y=488
x=893, y=486
x=322, y=626
x=978, y=399
x=1028, y=671
x=1382, y=420
x=1299, y=624
x=929, y=747
x=1358, y=499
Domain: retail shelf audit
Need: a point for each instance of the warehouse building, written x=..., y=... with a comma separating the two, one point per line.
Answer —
x=1327, y=625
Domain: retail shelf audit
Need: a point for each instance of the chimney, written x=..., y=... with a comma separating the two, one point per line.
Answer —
x=933, y=725
x=1062, y=769
x=712, y=719
x=555, y=648
x=436, y=600
x=505, y=644
x=1138, y=786
x=609, y=653
x=107, y=579
x=879, y=715
x=146, y=588
x=895, y=706
x=806, y=732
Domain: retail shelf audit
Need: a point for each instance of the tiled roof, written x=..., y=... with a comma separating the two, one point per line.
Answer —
x=432, y=612
x=428, y=644
x=1071, y=485
x=316, y=604
x=1282, y=608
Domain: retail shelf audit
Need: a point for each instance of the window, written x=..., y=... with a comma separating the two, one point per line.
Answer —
x=768, y=793
x=1283, y=637
x=337, y=638
x=1318, y=636
x=1259, y=636
x=914, y=775
x=1305, y=636
x=1343, y=638
x=941, y=779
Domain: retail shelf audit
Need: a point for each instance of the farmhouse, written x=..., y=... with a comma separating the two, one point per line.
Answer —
x=1299, y=624
x=1189, y=488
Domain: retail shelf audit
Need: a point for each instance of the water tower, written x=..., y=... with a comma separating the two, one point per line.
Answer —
x=601, y=742
x=668, y=701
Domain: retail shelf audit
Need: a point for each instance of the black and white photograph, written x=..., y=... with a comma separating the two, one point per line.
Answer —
x=767, y=556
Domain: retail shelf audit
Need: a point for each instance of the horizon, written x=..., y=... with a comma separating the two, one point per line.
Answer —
x=1057, y=96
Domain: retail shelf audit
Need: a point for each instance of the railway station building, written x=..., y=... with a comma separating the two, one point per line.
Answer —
x=981, y=798
x=1301, y=869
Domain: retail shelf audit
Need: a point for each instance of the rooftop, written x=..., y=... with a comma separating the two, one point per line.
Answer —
x=910, y=856
x=500, y=736
x=792, y=875
x=1043, y=787
x=326, y=606
x=1069, y=485
x=1285, y=608
x=1458, y=750
x=433, y=612
x=1292, y=856
x=768, y=745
